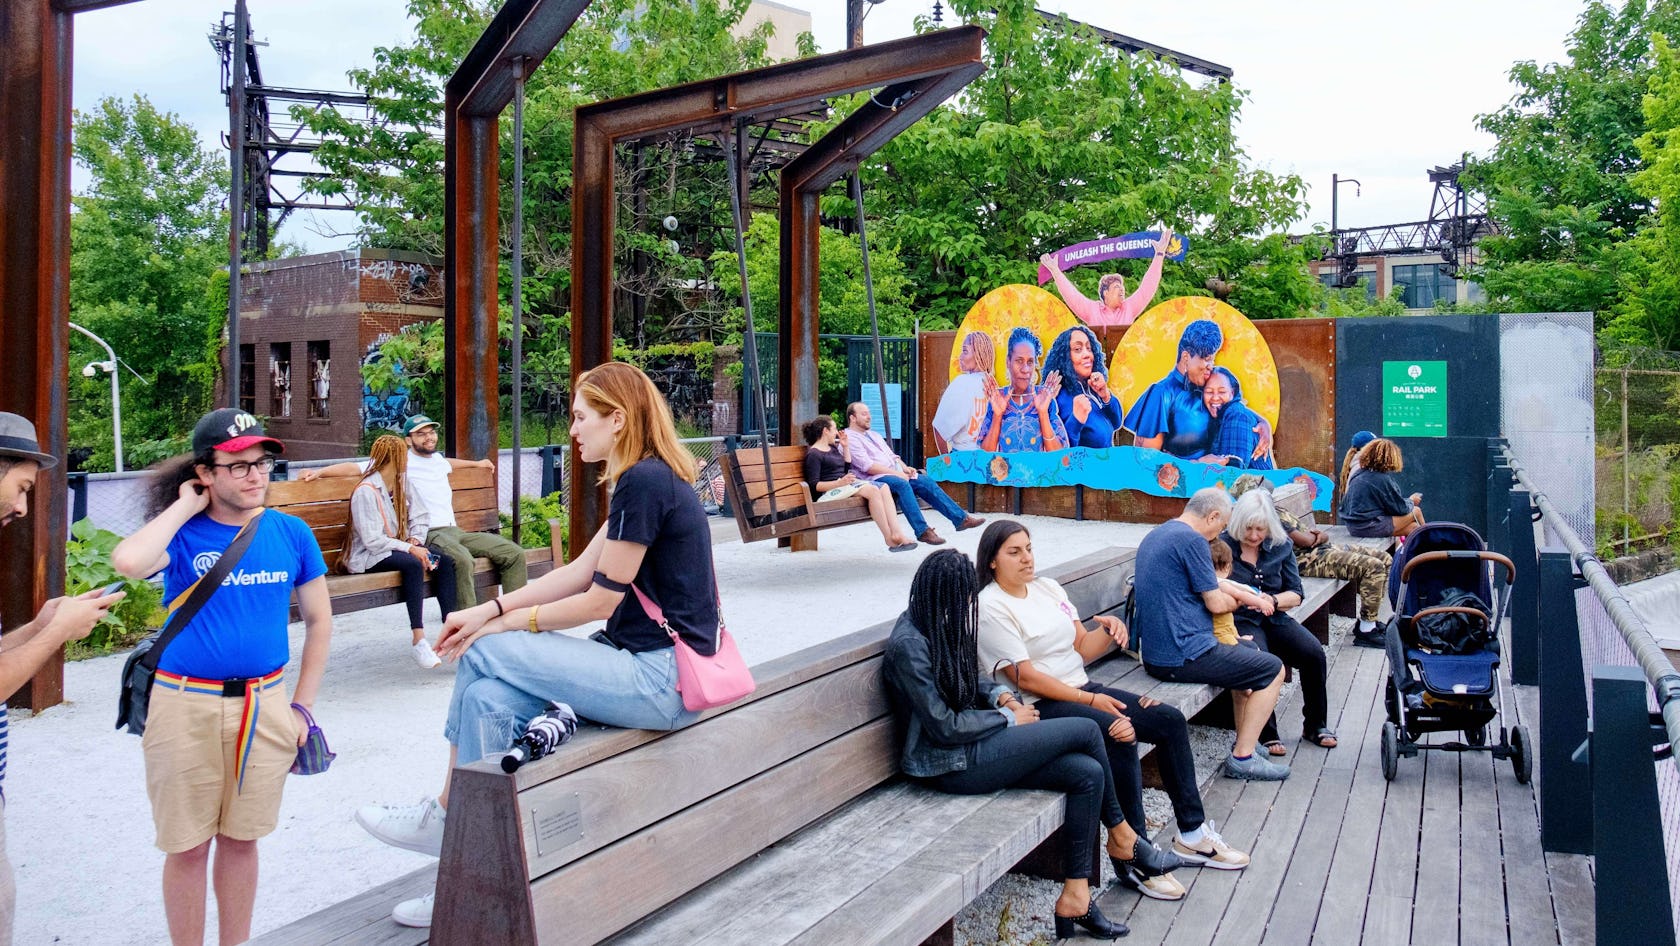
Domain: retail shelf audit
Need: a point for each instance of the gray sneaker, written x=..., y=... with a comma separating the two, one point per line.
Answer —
x=1255, y=768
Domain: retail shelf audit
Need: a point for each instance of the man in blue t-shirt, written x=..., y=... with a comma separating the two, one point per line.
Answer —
x=220, y=737
x=1178, y=594
x=28, y=646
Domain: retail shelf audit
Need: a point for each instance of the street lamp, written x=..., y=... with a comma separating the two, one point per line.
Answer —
x=109, y=366
x=1344, y=274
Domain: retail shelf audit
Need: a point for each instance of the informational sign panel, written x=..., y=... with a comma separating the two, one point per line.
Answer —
x=1414, y=400
x=870, y=395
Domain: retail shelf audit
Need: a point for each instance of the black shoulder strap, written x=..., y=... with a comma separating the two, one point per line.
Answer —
x=202, y=590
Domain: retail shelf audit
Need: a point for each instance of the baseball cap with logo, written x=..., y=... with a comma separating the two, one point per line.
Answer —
x=231, y=430
x=417, y=422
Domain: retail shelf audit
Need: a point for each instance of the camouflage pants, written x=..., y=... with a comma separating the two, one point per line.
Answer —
x=1368, y=567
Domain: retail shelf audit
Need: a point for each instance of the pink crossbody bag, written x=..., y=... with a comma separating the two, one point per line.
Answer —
x=704, y=682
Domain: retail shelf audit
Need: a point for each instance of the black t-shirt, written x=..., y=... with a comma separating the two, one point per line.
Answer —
x=654, y=507
x=823, y=466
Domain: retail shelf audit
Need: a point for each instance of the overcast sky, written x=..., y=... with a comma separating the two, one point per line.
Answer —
x=1375, y=91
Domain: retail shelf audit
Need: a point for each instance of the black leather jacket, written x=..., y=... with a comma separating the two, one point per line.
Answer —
x=934, y=736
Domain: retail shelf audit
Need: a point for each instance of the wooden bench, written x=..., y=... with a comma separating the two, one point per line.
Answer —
x=798, y=517
x=324, y=505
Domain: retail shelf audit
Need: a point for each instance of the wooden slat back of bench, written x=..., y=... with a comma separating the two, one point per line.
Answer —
x=325, y=505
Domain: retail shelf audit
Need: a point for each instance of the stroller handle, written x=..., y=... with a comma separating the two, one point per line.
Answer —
x=1495, y=557
x=1476, y=613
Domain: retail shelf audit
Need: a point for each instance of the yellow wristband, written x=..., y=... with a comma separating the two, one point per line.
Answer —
x=532, y=625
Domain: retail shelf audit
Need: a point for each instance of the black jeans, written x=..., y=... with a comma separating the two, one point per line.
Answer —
x=1284, y=637
x=1063, y=755
x=414, y=582
x=1161, y=726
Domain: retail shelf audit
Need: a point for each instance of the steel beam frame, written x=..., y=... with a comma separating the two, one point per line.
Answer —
x=914, y=74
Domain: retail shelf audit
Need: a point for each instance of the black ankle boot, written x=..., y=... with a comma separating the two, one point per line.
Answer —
x=1148, y=860
x=1099, y=926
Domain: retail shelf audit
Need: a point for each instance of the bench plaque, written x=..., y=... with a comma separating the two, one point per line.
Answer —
x=557, y=824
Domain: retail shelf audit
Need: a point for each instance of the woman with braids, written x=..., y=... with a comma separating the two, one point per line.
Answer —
x=388, y=524
x=510, y=664
x=1031, y=635
x=963, y=737
x=1089, y=410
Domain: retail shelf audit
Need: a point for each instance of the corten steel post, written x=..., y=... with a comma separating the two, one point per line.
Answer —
x=35, y=60
x=236, y=197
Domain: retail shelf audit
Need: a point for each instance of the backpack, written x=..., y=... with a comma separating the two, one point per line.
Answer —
x=1455, y=633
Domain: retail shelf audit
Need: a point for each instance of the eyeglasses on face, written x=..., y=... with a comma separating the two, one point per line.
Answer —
x=243, y=469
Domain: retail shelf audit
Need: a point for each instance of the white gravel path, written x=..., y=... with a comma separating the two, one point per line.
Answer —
x=79, y=826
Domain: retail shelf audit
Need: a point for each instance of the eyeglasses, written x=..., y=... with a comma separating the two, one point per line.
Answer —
x=243, y=469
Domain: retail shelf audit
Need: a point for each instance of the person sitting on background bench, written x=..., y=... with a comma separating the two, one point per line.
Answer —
x=1177, y=595
x=428, y=474
x=1030, y=632
x=827, y=472
x=1372, y=506
x=962, y=736
x=387, y=529
x=874, y=460
x=656, y=536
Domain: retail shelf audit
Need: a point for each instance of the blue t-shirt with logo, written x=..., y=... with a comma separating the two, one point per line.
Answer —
x=241, y=630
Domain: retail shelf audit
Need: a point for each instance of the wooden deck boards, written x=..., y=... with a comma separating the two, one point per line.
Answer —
x=1449, y=852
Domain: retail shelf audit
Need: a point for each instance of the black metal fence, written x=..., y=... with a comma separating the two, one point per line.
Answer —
x=846, y=373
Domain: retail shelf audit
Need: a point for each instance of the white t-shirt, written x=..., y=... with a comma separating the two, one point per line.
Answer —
x=960, y=410
x=429, y=478
x=1038, y=628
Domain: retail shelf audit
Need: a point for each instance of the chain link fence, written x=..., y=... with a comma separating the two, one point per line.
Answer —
x=1637, y=393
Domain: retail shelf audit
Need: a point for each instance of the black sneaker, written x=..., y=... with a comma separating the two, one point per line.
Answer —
x=1374, y=637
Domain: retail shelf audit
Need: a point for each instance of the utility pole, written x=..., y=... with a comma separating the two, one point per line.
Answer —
x=854, y=23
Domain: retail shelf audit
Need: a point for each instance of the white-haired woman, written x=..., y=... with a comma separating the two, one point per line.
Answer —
x=1264, y=558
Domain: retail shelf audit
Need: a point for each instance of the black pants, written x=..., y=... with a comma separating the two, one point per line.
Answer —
x=1161, y=726
x=413, y=574
x=1063, y=755
x=1284, y=637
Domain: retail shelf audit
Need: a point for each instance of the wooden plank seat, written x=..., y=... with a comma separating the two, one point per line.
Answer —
x=324, y=505
x=775, y=820
x=798, y=516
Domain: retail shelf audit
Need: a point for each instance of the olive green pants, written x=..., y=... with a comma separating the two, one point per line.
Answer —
x=462, y=547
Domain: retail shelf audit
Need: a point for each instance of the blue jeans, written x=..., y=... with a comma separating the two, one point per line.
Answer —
x=505, y=679
x=906, y=492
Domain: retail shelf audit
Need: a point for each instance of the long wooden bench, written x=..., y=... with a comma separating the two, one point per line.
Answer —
x=778, y=819
x=324, y=504
x=797, y=518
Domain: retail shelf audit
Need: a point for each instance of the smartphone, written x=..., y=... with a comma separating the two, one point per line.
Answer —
x=113, y=587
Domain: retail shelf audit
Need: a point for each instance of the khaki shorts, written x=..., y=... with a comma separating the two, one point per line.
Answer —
x=191, y=750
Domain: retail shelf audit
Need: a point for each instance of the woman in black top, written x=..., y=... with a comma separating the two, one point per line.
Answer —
x=963, y=737
x=1264, y=558
x=828, y=473
x=1372, y=505
x=656, y=536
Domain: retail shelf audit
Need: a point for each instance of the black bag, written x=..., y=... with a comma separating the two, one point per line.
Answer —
x=141, y=667
x=1455, y=633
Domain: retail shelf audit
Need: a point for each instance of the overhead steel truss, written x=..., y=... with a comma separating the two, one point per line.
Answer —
x=1458, y=218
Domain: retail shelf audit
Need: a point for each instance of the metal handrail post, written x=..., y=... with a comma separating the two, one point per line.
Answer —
x=1498, y=504
x=1565, y=786
x=1525, y=592
x=1626, y=815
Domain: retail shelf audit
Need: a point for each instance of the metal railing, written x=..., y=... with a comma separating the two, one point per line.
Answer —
x=1608, y=783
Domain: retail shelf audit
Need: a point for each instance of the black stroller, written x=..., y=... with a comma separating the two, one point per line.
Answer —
x=1443, y=648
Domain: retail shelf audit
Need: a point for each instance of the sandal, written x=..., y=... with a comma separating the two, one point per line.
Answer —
x=1324, y=738
x=1275, y=747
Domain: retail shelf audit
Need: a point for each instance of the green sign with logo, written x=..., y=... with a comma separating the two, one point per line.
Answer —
x=1414, y=399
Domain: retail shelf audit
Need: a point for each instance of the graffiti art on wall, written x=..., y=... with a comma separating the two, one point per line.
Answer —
x=385, y=411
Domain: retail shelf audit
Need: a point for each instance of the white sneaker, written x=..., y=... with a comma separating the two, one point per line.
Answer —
x=1211, y=852
x=417, y=828
x=424, y=656
x=416, y=912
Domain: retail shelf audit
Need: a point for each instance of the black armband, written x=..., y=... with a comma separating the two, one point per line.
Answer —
x=600, y=578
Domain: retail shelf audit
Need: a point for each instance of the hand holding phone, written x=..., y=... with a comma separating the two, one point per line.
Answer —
x=112, y=588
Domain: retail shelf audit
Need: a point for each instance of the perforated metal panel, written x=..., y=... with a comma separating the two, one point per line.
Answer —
x=1546, y=407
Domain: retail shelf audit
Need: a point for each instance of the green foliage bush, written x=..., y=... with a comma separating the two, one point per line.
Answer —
x=87, y=561
x=534, y=514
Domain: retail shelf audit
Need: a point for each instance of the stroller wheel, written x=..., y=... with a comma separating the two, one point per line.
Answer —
x=1522, y=758
x=1390, y=751
x=1477, y=736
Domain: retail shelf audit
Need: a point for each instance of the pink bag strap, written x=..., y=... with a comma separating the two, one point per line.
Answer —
x=657, y=613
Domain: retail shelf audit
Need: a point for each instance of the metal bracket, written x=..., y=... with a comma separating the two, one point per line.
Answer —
x=1583, y=752
x=1661, y=749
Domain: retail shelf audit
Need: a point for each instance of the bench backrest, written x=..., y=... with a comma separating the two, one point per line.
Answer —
x=325, y=505
x=544, y=855
x=749, y=481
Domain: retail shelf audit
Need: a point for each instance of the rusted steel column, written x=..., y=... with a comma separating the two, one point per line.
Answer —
x=796, y=343
x=469, y=272
x=592, y=299
x=35, y=301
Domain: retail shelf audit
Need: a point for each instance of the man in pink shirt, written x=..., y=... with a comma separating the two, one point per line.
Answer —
x=873, y=460
x=1112, y=306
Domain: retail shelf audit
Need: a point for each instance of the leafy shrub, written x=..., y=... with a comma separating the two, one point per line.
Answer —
x=534, y=514
x=87, y=561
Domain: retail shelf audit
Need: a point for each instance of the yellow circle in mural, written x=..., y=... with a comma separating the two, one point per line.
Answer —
x=999, y=312
x=1150, y=350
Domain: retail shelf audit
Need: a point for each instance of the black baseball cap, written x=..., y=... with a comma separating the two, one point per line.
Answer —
x=231, y=430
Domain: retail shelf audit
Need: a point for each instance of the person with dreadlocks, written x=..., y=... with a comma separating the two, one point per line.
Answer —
x=968, y=739
x=1090, y=412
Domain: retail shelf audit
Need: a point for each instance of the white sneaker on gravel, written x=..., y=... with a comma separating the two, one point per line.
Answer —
x=424, y=656
x=1211, y=852
x=416, y=913
x=417, y=828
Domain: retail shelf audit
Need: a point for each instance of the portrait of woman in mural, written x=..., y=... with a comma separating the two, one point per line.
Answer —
x=962, y=408
x=1112, y=305
x=1171, y=414
x=1023, y=417
x=1090, y=412
x=1234, y=425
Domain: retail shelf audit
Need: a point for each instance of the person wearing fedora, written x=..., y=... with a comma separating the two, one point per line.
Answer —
x=428, y=476
x=25, y=649
x=220, y=738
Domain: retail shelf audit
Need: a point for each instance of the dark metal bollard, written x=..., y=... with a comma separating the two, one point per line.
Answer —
x=1498, y=506
x=282, y=472
x=1626, y=815
x=545, y=456
x=1525, y=592
x=1565, y=786
x=78, y=483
